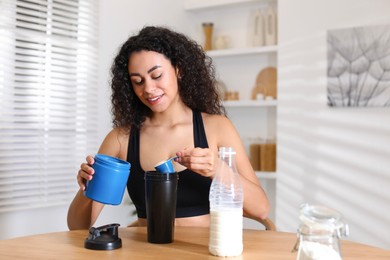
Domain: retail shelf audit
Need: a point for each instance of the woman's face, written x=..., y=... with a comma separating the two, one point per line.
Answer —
x=154, y=79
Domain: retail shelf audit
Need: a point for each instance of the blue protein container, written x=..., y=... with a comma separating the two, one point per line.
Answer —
x=108, y=184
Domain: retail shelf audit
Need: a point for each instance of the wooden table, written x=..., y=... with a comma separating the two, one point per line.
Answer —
x=190, y=243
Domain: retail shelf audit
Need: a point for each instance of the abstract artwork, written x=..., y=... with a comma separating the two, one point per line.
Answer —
x=359, y=67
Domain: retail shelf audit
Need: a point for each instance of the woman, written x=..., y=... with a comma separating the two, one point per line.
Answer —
x=165, y=103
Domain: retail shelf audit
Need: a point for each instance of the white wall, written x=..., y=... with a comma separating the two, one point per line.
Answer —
x=339, y=157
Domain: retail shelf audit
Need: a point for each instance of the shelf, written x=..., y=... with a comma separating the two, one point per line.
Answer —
x=253, y=118
x=243, y=51
x=197, y=6
x=266, y=175
x=250, y=103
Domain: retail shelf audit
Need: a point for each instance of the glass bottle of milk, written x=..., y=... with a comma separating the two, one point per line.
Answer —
x=226, y=202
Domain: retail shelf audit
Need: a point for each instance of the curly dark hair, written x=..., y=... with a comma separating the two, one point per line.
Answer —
x=197, y=83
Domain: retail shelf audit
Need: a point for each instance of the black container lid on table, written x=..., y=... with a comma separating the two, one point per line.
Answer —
x=103, y=238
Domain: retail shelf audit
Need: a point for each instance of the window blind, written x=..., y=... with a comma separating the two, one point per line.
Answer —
x=48, y=93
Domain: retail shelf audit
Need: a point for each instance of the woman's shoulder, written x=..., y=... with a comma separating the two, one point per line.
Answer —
x=119, y=132
x=115, y=142
x=214, y=117
x=216, y=121
x=220, y=129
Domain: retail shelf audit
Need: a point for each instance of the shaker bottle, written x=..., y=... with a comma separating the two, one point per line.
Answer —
x=109, y=180
x=160, y=197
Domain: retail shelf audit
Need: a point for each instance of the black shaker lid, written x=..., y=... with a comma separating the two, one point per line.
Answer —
x=103, y=238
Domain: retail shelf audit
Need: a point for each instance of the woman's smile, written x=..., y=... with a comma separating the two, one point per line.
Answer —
x=155, y=99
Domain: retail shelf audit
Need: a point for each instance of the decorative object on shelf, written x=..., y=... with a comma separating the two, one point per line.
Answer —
x=222, y=89
x=232, y=95
x=358, y=67
x=262, y=155
x=265, y=84
x=221, y=42
x=254, y=156
x=268, y=157
x=270, y=34
x=258, y=28
x=259, y=96
x=208, y=36
x=236, y=95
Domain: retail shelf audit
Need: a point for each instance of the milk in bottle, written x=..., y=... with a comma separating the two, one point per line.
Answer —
x=226, y=202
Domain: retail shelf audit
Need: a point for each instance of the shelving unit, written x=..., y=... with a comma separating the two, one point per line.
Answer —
x=242, y=51
x=238, y=66
x=250, y=103
x=202, y=5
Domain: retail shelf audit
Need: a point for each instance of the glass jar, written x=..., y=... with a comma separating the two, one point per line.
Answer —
x=208, y=34
x=319, y=233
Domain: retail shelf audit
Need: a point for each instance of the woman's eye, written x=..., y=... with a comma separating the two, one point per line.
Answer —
x=138, y=82
x=157, y=76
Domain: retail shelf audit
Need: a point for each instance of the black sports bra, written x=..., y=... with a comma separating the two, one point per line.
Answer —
x=193, y=189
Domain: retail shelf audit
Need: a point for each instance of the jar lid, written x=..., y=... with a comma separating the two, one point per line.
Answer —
x=321, y=218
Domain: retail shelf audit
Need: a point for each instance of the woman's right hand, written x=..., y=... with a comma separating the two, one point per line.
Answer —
x=86, y=171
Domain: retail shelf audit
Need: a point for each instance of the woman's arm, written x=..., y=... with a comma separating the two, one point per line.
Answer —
x=83, y=212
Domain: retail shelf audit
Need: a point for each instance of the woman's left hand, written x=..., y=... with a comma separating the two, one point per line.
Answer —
x=199, y=160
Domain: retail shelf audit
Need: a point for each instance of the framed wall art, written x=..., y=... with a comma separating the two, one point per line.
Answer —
x=358, y=69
